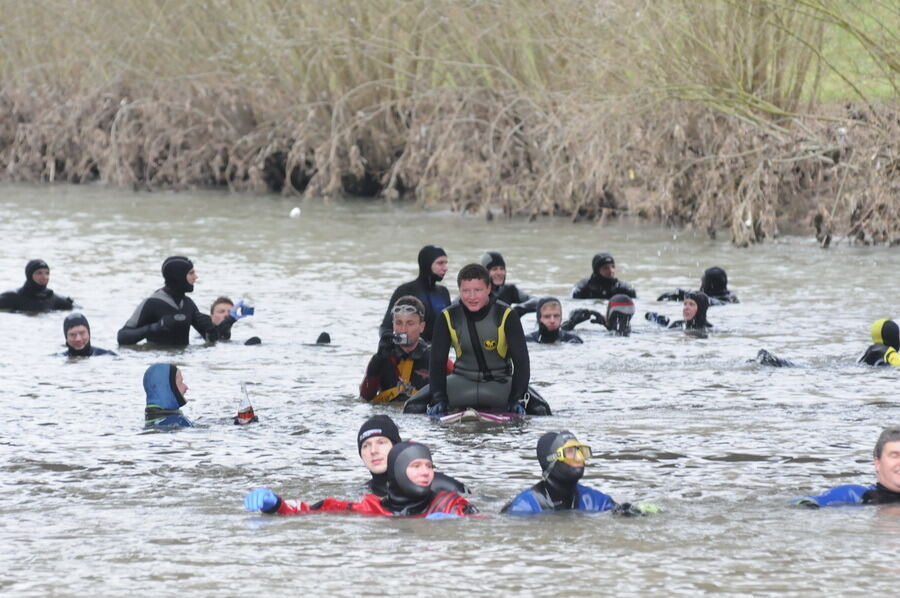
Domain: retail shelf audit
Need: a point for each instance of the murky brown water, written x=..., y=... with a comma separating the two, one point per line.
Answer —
x=90, y=505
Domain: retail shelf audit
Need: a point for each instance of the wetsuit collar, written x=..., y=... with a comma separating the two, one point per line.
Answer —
x=481, y=313
x=400, y=504
x=880, y=495
x=379, y=484
x=547, y=336
x=85, y=351
x=178, y=296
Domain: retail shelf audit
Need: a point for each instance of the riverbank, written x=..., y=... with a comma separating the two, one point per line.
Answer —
x=499, y=108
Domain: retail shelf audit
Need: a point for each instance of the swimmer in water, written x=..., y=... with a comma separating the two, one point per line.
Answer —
x=434, y=296
x=375, y=439
x=886, y=342
x=887, y=474
x=714, y=283
x=77, y=331
x=562, y=458
x=501, y=290
x=602, y=283
x=400, y=367
x=551, y=329
x=410, y=470
x=165, y=390
x=34, y=296
x=222, y=309
x=694, y=311
x=619, y=310
x=166, y=317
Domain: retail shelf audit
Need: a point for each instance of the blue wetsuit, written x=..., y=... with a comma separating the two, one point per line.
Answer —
x=163, y=398
x=850, y=494
x=537, y=500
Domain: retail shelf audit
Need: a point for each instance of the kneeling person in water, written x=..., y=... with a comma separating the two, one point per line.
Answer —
x=551, y=328
x=887, y=473
x=694, y=311
x=34, y=296
x=165, y=390
x=562, y=460
x=400, y=367
x=77, y=331
x=886, y=338
x=410, y=471
x=491, y=370
x=375, y=439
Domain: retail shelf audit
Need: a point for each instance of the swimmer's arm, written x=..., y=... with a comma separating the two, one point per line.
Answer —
x=582, y=290
x=891, y=357
x=437, y=365
x=518, y=353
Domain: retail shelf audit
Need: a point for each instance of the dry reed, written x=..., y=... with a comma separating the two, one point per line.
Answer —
x=702, y=113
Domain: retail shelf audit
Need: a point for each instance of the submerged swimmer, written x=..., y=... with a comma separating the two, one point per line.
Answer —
x=551, y=328
x=562, y=458
x=165, y=390
x=375, y=439
x=501, y=290
x=619, y=310
x=77, y=331
x=887, y=473
x=34, y=296
x=435, y=297
x=696, y=304
x=167, y=315
x=886, y=338
x=714, y=283
x=410, y=471
x=602, y=283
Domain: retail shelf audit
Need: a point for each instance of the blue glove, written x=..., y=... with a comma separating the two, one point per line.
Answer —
x=241, y=310
x=434, y=516
x=516, y=407
x=261, y=499
x=439, y=408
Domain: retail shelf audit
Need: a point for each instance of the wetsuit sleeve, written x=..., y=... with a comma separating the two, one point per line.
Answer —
x=676, y=295
x=891, y=357
x=138, y=326
x=523, y=504
x=850, y=494
x=518, y=353
x=625, y=289
x=9, y=300
x=527, y=304
x=582, y=290
x=381, y=374
x=61, y=303
x=440, y=352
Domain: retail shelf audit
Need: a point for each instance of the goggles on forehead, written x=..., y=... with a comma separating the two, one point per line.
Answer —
x=572, y=450
x=406, y=310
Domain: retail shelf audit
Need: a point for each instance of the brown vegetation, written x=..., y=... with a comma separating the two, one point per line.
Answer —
x=697, y=113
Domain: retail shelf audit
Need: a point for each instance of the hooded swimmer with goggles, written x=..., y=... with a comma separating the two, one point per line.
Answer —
x=562, y=458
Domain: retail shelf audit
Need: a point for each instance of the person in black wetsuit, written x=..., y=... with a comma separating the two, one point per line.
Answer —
x=167, y=315
x=619, y=310
x=602, y=284
x=714, y=283
x=34, y=296
x=886, y=344
x=508, y=293
x=550, y=325
x=696, y=304
x=77, y=331
x=435, y=297
x=375, y=439
x=492, y=368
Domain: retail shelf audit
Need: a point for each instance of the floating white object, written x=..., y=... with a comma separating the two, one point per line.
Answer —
x=295, y=212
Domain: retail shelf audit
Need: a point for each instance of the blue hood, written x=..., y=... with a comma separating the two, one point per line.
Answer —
x=159, y=384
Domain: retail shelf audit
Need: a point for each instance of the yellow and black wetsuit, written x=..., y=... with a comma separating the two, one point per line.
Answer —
x=886, y=338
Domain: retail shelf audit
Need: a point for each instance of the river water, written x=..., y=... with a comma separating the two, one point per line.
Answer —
x=90, y=505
